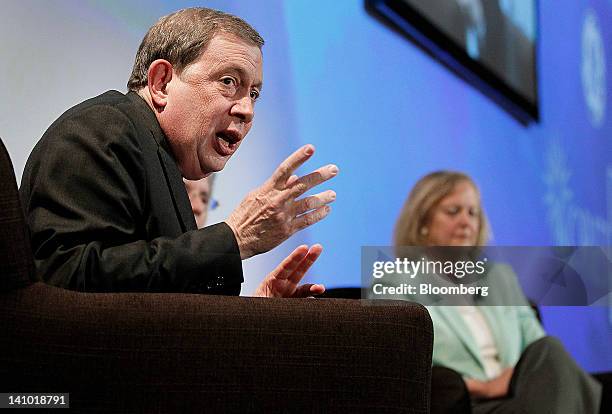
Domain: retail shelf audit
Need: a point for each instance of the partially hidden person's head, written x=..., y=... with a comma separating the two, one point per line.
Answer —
x=201, y=72
x=200, y=198
x=443, y=209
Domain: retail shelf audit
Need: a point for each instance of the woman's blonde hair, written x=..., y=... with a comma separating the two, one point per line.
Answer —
x=424, y=197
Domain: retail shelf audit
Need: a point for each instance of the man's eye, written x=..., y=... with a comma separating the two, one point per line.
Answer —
x=229, y=81
x=254, y=94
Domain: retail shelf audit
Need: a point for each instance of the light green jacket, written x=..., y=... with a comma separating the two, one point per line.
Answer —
x=513, y=327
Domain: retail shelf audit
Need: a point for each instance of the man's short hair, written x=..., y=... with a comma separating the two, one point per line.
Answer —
x=181, y=37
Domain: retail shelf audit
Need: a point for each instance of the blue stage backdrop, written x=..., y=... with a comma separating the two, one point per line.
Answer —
x=377, y=106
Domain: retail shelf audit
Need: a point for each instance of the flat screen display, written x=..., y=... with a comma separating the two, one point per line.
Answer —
x=491, y=43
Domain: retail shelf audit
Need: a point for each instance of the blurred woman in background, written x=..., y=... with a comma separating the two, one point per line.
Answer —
x=499, y=354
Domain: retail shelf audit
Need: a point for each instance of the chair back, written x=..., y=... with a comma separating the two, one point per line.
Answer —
x=16, y=260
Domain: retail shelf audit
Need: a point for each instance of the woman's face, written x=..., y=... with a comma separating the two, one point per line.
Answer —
x=455, y=220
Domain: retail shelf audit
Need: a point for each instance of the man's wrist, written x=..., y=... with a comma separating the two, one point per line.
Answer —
x=244, y=254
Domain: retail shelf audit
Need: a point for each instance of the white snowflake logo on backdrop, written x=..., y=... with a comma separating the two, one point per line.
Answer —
x=593, y=68
x=558, y=196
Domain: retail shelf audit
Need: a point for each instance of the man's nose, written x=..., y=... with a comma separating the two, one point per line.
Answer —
x=243, y=109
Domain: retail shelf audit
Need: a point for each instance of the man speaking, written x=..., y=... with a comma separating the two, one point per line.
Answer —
x=103, y=192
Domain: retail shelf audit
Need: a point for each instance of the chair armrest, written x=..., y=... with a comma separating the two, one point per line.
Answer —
x=126, y=352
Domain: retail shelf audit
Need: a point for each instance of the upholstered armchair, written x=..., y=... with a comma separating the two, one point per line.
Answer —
x=144, y=352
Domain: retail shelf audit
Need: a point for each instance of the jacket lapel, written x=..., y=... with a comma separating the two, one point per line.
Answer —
x=496, y=317
x=459, y=327
x=174, y=179
x=173, y=176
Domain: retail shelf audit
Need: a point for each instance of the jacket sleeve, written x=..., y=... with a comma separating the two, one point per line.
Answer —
x=84, y=190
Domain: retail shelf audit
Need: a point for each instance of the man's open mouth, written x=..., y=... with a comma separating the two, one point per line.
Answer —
x=228, y=141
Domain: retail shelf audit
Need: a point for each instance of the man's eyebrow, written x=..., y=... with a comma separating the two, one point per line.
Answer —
x=243, y=74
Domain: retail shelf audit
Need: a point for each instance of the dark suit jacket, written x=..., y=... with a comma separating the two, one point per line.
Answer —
x=107, y=209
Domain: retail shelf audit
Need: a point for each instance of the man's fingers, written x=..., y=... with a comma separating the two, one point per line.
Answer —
x=310, y=218
x=305, y=183
x=313, y=254
x=308, y=290
x=291, y=180
x=313, y=202
x=291, y=262
x=286, y=168
x=317, y=289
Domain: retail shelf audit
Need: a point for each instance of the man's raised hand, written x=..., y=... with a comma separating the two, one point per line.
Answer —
x=284, y=281
x=270, y=214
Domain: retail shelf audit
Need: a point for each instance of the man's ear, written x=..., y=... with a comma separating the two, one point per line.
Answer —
x=158, y=76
